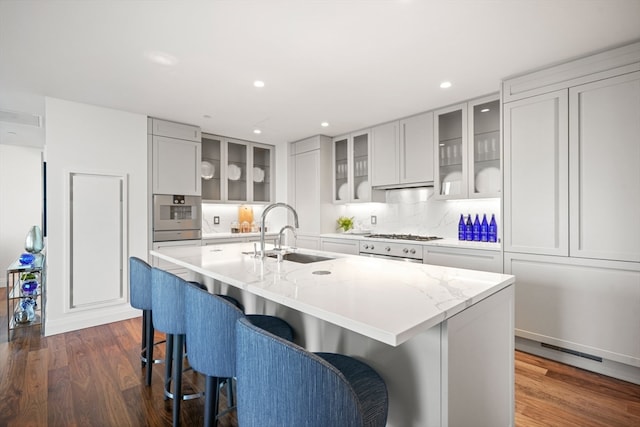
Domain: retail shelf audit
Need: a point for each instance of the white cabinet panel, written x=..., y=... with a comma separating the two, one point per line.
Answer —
x=310, y=185
x=384, y=155
x=590, y=306
x=416, y=149
x=605, y=169
x=176, y=166
x=97, y=229
x=536, y=175
x=174, y=130
x=307, y=203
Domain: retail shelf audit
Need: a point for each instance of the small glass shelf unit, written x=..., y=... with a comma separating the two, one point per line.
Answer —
x=20, y=296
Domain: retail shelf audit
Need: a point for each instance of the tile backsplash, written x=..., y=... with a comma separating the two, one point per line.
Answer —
x=416, y=211
x=411, y=210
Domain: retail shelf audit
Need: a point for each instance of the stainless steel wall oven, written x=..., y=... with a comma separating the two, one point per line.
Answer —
x=176, y=217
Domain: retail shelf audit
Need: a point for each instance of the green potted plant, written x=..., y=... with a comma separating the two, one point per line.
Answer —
x=345, y=223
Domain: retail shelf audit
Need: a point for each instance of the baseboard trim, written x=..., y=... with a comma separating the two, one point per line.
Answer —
x=606, y=367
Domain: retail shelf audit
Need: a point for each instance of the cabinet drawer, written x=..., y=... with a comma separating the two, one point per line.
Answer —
x=473, y=259
x=341, y=246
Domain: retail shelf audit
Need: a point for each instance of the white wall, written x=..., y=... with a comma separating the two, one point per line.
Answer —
x=20, y=199
x=85, y=139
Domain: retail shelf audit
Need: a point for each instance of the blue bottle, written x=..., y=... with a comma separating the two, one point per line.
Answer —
x=484, y=229
x=476, y=229
x=462, y=228
x=493, y=229
x=468, y=233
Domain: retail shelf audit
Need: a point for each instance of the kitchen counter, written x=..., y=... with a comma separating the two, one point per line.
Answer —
x=442, y=338
x=446, y=242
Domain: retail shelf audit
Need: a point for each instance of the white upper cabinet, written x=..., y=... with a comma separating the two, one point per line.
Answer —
x=175, y=162
x=236, y=171
x=351, y=165
x=604, y=146
x=450, y=151
x=467, y=150
x=485, y=179
x=402, y=152
x=211, y=169
x=385, y=154
x=536, y=175
x=416, y=149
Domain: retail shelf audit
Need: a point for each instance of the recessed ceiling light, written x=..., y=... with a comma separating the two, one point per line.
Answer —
x=324, y=124
x=257, y=131
x=445, y=85
x=484, y=110
x=258, y=83
x=161, y=58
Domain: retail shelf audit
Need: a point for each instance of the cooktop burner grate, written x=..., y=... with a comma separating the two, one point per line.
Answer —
x=413, y=237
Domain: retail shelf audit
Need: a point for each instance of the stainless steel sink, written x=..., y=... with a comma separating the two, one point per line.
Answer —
x=300, y=258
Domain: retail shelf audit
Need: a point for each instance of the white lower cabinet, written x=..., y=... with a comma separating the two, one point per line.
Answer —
x=587, y=306
x=343, y=246
x=308, y=242
x=168, y=266
x=473, y=259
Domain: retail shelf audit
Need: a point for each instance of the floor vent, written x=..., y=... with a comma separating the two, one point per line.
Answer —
x=573, y=352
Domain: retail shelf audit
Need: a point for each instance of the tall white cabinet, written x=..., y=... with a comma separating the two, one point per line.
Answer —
x=310, y=188
x=571, y=203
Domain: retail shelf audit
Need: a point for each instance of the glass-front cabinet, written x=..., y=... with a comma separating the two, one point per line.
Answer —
x=467, y=150
x=236, y=171
x=211, y=168
x=351, y=169
x=451, y=138
x=484, y=155
x=261, y=181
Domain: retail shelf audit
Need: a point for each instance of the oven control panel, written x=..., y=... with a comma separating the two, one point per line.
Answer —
x=391, y=249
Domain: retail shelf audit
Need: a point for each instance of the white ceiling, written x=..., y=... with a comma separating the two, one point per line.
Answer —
x=350, y=63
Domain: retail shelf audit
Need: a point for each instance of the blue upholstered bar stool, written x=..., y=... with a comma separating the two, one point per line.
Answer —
x=167, y=301
x=212, y=342
x=281, y=384
x=140, y=296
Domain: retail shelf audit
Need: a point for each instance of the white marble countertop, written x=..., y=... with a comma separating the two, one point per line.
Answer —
x=388, y=301
x=452, y=243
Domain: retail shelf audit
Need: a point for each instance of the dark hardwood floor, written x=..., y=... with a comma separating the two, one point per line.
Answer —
x=93, y=377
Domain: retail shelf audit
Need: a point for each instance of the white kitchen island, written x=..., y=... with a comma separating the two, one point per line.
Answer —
x=442, y=338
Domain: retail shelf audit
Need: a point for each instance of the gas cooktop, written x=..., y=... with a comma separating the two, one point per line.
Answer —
x=413, y=237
